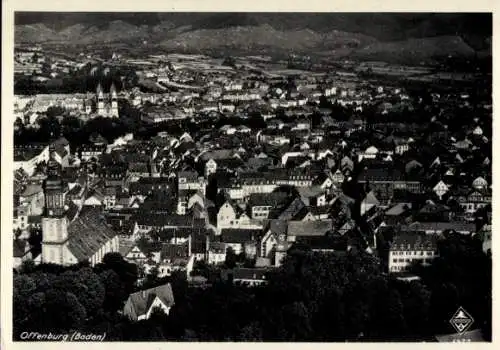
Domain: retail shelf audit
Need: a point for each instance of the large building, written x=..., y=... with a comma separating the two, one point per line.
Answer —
x=107, y=104
x=411, y=248
x=70, y=233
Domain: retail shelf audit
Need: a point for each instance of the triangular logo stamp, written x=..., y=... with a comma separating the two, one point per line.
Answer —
x=461, y=320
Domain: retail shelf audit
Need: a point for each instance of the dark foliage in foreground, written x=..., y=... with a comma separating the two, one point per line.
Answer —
x=312, y=297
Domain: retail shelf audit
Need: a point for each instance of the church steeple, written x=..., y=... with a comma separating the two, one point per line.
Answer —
x=53, y=188
x=112, y=92
x=100, y=91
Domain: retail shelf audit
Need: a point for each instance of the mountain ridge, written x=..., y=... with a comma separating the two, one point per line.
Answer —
x=249, y=32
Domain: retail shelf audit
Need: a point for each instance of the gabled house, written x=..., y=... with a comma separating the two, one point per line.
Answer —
x=135, y=255
x=369, y=203
x=440, y=189
x=312, y=196
x=480, y=183
x=274, y=234
x=140, y=305
x=338, y=177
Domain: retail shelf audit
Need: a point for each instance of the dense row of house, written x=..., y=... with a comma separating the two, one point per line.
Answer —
x=172, y=201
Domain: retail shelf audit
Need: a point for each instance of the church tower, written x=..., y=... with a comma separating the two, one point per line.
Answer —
x=114, y=101
x=54, y=221
x=101, y=110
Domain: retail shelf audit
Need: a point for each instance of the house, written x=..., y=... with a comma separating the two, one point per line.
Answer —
x=312, y=196
x=296, y=210
x=89, y=152
x=338, y=177
x=146, y=222
x=189, y=180
x=27, y=157
x=274, y=234
x=239, y=240
x=430, y=228
x=324, y=181
x=385, y=181
x=210, y=167
x=370, y=153
x=140, y=305
x=397, y=214
x=135, y=255
x=410, y=248
x=480, y=183
x=94, y=198
x=475, y=200
x=216, y=253
x=226, y=215
x=247, y=276
x=440, y=189
x=434, y=212
x=147, y=185
x=260, y=204
x=308, y=228
x=368, y=203
x=33, y=199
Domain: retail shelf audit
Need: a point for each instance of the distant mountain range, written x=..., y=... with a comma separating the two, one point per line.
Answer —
x=417, y=35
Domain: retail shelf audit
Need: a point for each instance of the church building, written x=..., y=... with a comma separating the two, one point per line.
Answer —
x=107, y=104
x=71, y=233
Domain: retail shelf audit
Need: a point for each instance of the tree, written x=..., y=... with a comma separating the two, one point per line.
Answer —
x=127, y=272
x=55, y=111
x=251, y=332
x=297, y=321
x=231, y=258
x=65, y=312
x=85, y=285
x=114, y=290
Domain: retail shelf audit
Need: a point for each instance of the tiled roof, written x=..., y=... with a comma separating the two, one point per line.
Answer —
x=234, y=235
x=88, y=233
x=278, y=227
x=309, y=228
x=398, y=209
x=290, y=212
x=31, y=190
x=414, y=241
x=371, y=199
x=161, y=220
x=440, y=226
x=19, y=246
x=182, y=232
x=267, y=199
x=141, y=301
x=380, y=174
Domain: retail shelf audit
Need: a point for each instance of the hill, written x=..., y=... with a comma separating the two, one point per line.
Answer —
x=416, y=50
x=406, y=36
x=383, y=26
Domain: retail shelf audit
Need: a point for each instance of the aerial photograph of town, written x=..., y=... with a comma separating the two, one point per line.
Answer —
x=252, y=177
